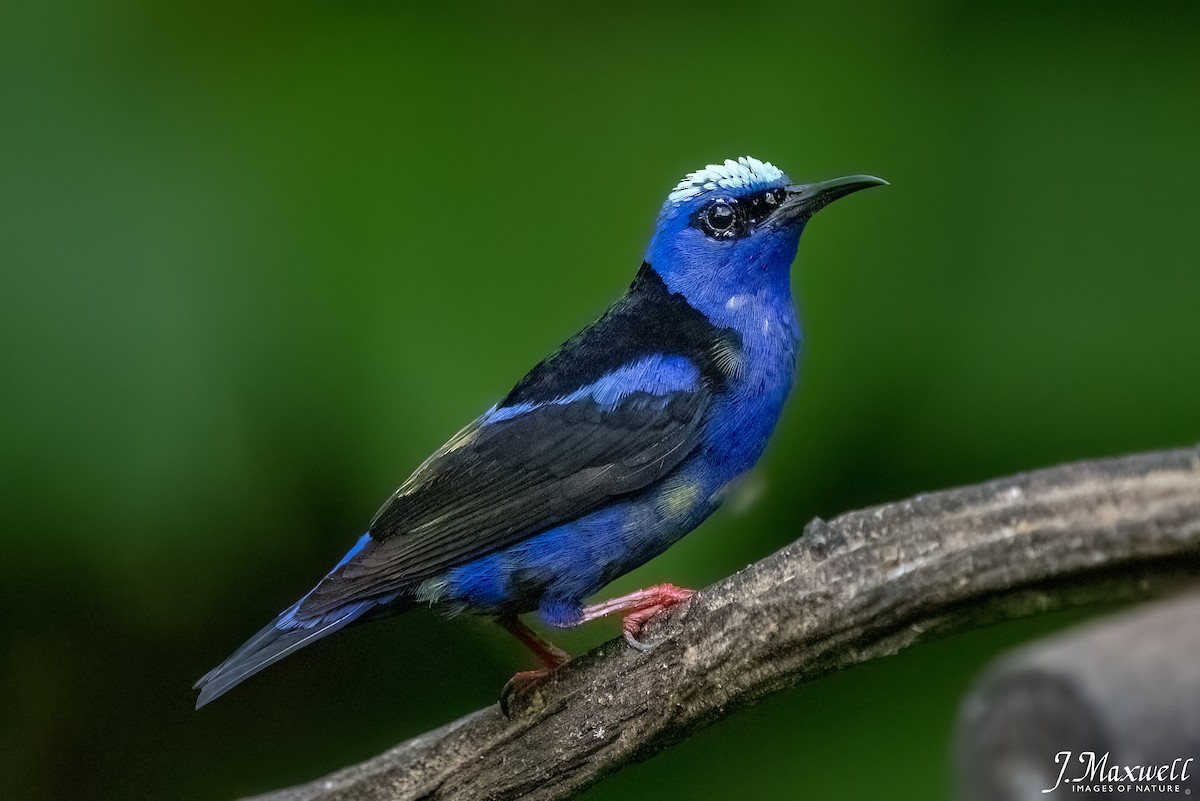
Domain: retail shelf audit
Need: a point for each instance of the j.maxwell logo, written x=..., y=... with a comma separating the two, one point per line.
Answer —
x=1098, y=776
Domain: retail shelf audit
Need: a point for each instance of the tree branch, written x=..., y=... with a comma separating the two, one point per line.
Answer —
x=858, y=587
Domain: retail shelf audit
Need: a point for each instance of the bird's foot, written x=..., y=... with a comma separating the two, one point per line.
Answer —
x=635, y=621
x=521, y=689
x=640, y=607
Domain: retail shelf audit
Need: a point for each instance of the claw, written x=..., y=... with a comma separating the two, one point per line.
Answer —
x=520, y=688
x=637, y=644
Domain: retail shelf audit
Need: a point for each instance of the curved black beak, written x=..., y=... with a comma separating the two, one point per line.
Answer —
x=805, y=200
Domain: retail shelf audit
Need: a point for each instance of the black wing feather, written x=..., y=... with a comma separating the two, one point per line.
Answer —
x=497, y=483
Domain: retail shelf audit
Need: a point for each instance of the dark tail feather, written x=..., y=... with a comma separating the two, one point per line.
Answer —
x=282, y=637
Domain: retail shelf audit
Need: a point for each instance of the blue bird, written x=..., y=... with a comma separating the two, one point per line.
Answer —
x=607, y=452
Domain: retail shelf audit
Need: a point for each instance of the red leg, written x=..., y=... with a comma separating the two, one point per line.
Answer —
x=551, y=655
x=639, y=607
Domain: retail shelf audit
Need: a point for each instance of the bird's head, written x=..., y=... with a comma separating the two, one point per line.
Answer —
x=735, y=226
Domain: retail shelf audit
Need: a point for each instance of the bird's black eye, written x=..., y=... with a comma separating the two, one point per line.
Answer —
x=721, y=219
x=720, y=216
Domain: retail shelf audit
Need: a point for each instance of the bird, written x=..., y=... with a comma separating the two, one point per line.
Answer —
x=603, y=455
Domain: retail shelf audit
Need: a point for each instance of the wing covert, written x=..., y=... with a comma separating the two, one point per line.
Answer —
x=517, y=471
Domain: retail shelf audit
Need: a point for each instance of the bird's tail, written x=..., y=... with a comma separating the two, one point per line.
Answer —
x=281, y=637
x=285, y=635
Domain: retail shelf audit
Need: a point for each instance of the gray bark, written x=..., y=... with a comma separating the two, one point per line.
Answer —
x=856, y=588
x=1127, y=687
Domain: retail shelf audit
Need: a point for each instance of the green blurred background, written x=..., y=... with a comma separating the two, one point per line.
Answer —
x=260, y=259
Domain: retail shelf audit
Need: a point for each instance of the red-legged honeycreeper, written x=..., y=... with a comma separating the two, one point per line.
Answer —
x=604, y=454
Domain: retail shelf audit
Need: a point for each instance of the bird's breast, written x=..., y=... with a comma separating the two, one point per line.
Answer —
x=762, y=362
x=759, y=375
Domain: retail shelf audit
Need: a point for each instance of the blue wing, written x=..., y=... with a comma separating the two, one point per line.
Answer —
x=522, y=468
